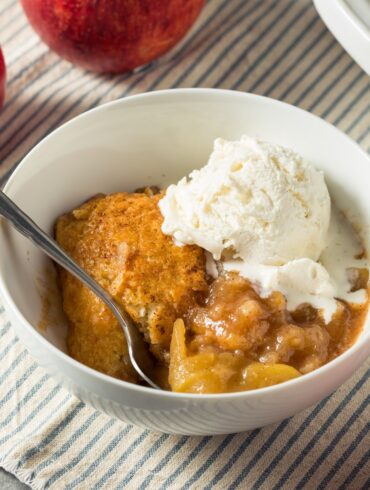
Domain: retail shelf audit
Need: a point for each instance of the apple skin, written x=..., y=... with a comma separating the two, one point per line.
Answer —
x=111, y=36
x=2, y=78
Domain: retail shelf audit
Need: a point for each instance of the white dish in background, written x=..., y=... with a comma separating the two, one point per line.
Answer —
x=349, y=22
x=157, y=138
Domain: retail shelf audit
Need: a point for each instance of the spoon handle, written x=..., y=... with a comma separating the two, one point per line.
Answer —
x=27, y=227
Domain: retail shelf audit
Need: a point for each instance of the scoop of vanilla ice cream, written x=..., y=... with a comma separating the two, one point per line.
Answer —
x=254, y=200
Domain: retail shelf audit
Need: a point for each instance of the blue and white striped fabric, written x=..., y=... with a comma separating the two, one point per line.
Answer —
x=48, y=438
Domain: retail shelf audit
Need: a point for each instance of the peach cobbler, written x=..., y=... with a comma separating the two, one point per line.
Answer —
x=242, y=276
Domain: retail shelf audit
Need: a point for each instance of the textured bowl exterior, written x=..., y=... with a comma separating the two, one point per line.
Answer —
x=104, y=151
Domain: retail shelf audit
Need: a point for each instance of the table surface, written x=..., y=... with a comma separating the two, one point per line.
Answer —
x=9, y=482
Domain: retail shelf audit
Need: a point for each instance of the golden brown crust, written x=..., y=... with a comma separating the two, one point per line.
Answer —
x=118, y=240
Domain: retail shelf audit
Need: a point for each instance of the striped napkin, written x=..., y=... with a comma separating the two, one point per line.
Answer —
x=48, y=438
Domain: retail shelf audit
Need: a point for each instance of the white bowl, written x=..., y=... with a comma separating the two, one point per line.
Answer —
x=349, y=22
x=157, y=138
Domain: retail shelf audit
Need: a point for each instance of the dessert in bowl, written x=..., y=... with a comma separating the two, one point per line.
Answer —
x=241, y=330
x=220, y=273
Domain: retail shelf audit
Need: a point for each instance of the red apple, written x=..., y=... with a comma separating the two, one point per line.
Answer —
x=110, y=35
x=2, y=78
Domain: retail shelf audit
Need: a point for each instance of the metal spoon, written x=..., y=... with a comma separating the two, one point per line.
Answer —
x=137, y=348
